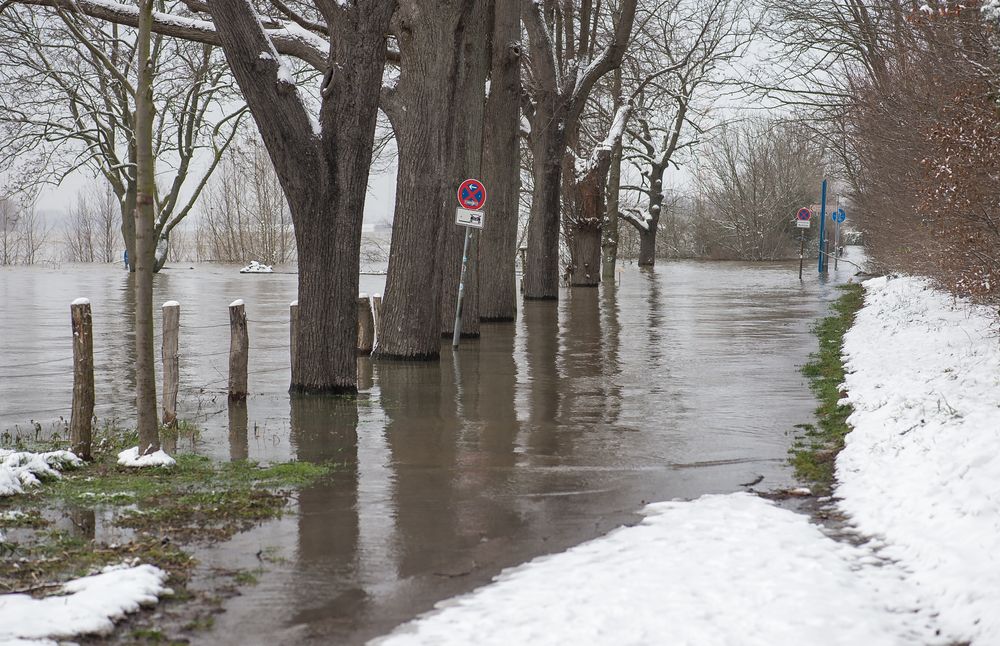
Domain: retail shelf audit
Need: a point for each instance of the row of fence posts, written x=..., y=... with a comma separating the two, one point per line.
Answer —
x=82, y=411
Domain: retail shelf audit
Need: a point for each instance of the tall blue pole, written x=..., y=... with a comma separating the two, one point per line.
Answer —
x=822, y=229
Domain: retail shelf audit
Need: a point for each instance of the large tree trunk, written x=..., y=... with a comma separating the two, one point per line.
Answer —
x=647, y=246
x=324, y=175
x=647, y=237
x=466, y=158
x=541, y=273
x=584, y=223
x=145, y=367
x=501, y=169
x=425, y=197
x=609, y=241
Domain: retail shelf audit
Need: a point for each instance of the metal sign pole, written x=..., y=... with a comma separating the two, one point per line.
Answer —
x=802, y=249
x=822, y=228
x=461, y=290
x=836, y=237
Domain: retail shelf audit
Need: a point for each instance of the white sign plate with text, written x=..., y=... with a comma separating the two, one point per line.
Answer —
x=469, y=218
x=802, y=224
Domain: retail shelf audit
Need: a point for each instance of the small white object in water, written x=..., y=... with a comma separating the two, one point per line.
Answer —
x=256, y=268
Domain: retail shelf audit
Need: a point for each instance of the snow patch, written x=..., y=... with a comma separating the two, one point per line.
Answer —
x=171, y=304
x=131, y=458
x=237, y=303
x=85, y=606
x=729, y=569
x=921, y=467
x=20, y=470
x=81, y=301
x=256, y=268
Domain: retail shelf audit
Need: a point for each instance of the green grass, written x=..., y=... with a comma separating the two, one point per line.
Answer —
x=196, y=500
x=815, y=451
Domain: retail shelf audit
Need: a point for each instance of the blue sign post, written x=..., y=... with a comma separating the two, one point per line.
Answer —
x=837, y=216
x=822, y=230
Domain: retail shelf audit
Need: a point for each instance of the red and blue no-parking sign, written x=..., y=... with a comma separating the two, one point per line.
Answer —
x=472, y=194
x=803, y=214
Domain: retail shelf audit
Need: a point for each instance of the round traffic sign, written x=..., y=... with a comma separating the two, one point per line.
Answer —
x=472, y=194
x=839, y=215
x=803, y=214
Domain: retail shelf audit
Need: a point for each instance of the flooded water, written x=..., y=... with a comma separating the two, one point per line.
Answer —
x=542, y=434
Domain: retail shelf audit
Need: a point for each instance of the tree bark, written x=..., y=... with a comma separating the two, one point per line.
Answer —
x=465, y=161
x=432, y=45
x=323, y=171
x=145, y=370
x=501, y=169
x=541, y=271
x=585, y=223
x=609, y=241
x=647, y=237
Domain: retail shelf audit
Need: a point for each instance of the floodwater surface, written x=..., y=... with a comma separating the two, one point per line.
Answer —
x=543, y=433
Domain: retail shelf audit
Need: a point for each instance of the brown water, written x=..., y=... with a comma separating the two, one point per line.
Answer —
x=540, y=435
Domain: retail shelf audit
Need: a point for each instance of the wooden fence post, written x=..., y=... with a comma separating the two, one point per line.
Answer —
x=239, y=346
x=293, y=333
x=171, y=361
x=82, y=415
x=366, y=325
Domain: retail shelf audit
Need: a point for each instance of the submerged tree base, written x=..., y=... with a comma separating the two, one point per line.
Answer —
x=814, y=453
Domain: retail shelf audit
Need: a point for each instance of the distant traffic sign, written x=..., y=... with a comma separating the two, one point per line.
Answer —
x=472, y=194
x=803, y=214
x=839, y=215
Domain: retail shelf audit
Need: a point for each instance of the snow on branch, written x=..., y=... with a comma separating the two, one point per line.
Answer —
x=638, y=219
x=602, y=151
x=289, y=38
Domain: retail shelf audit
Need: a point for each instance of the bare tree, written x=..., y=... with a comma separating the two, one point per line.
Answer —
x=501, y=170
x=68, y=103
x=680, y=54
x=436, y=108
x=9, y=243
x=78, y=232
x=145, y=242
x=756, y=174
x=245, y=216
x=323, y=163
x=565, y=60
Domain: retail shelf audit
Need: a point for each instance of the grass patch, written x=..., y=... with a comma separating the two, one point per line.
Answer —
x=197, y=500
x=815, y=450
x=62, y=530
x=58, y=555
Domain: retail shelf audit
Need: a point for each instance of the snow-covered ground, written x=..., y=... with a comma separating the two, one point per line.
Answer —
x=921, y=470
x=84, y=606
x=920, y=475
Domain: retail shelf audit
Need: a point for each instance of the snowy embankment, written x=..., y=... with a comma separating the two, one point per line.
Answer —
x=85, y=606
x=920, y=474
x=921, y=469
